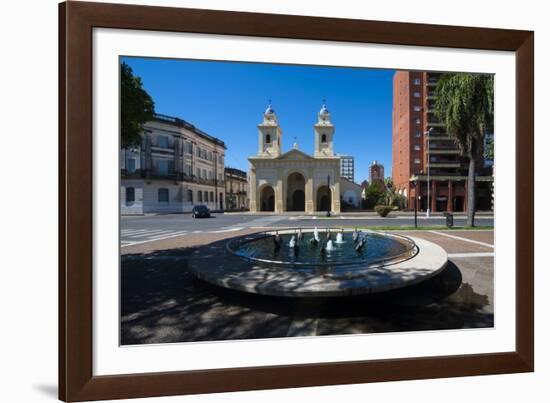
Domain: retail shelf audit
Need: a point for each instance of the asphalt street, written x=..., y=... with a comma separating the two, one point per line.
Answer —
x=142, y=229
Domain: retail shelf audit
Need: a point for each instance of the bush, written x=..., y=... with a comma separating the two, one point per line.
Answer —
x=383, y=211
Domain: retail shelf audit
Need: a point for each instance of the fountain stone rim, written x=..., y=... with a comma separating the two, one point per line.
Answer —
x=216, y=265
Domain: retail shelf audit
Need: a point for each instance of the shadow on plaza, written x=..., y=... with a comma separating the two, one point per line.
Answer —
x=162, y=302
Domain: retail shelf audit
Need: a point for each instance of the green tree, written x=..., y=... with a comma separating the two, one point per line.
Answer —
x=390, y=193
x=136, y=107
x=490, y=148
x=464, y=103
x=374, y=195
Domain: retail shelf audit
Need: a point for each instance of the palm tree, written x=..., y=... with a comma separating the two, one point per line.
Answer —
x=464, y=104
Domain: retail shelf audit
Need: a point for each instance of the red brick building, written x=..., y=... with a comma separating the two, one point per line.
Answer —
x=420, y=144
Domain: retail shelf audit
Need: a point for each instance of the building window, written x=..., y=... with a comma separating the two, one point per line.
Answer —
x=417, y=147
x=199, y=196
x=162, y=167
x=163, y=195
x=417, y=108
x=212, y=197
x=267, y=138
x=162, y=141
x=130, y=195
x=418, y=134
x=417, y=121
x=189, y=147
x=417, y=160
x=324, y=138
x=417, y=81
x=204, y=173
x=209, y=155
x=131, y=165
x=190, y=195
x=416, y=94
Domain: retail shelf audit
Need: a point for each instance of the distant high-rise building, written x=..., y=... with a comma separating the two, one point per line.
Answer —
x=376, y=172
x=422, y=149
x=347, y=167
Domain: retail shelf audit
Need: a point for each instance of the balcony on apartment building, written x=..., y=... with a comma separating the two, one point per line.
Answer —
x=443, y=145
x=444, y=164
x=432, y=122
x=171, y=175
x=162, y=149
x=438, y=135
x=432, y=82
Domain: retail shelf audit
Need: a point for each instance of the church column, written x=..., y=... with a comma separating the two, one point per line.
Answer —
x=336, y=197
x=252, y=188
x=279, y=206
x=310, y=205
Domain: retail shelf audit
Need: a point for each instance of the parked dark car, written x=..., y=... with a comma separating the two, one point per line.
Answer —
x=200, y=212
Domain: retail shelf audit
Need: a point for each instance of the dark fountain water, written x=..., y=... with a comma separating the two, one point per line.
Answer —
x=310, y=249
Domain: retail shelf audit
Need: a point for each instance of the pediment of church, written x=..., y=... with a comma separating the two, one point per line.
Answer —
x=294, y=155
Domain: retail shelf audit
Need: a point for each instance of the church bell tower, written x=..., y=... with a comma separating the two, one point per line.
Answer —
x=324, y=132
x=269, y=135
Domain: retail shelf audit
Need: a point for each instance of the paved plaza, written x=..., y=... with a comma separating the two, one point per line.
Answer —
x=162, y=302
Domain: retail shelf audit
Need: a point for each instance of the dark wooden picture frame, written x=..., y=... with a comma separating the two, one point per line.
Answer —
x=76, y=23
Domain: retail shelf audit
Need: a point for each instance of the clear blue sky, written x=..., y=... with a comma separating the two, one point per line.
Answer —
x=227, y=99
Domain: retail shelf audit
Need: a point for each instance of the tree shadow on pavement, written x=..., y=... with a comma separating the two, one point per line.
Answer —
x=162, y=302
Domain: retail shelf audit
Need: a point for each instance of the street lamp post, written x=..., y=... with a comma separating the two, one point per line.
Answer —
x=328, y=204
x=416, y=210
x=428, y=202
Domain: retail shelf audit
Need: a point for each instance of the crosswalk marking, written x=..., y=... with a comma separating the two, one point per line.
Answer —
x=229, y=229
x=150, y=233
x=171, y=234
x=133, y=231
x=150, y=236
x=463, y=239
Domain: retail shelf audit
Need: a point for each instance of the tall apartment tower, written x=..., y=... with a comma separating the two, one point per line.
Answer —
x=421, y=148
x=347, y=167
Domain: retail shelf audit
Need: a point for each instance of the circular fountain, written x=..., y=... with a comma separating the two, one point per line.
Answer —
x=310, y=263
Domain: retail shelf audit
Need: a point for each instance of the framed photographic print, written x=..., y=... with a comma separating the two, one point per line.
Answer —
x=253, y=201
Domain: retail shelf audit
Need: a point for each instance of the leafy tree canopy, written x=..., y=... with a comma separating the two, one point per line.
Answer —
x=137, y=107
x=464, y=103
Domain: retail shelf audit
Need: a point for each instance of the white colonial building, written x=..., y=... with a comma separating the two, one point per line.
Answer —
x=293, y=180
x=176, y=167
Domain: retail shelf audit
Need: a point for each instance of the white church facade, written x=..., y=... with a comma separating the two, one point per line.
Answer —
x=293, y=180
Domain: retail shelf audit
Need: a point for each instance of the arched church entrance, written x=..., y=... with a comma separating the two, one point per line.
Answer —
x=267, y=199
x=324, y=199
x=296, y=195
